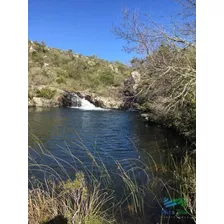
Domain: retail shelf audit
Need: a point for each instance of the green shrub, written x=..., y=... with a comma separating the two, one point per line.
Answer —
x=44, y=72
x=60, y=80
x=46, y=93
x=55, y=67
x=107, y=78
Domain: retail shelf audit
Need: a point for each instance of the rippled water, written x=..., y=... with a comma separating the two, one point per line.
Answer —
x=109, y=135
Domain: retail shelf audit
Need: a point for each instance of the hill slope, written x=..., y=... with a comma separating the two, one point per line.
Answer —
x=55, y=68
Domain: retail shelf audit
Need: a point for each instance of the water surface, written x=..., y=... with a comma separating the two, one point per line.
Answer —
x=111, y=135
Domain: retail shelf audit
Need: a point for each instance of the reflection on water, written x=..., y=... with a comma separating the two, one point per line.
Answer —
x=111, y=135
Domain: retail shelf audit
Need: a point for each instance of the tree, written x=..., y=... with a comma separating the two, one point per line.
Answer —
x=143, y=35
x=169, y=65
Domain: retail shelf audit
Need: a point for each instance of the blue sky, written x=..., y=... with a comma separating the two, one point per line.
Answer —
x=85, y=25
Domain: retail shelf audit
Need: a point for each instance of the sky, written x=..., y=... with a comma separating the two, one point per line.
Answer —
x=85, y=25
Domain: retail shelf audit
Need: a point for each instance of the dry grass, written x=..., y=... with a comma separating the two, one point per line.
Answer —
x=71, y=199
x=96, y=201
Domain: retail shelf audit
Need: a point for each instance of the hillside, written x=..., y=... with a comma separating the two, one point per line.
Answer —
x=66, y=70
x=166, y=95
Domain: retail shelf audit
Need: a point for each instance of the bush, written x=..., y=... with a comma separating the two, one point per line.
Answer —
x=46, y=93
x=107, y=78
x=60, y=80
x=63, y=69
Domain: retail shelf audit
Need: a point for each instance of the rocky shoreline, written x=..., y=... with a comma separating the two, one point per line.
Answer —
x=63, y=98
x=125, y=100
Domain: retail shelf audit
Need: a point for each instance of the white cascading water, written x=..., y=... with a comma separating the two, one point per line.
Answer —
x=83, y=104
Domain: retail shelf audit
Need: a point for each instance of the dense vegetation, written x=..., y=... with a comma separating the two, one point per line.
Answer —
x=167, y=89
x=66, y=70
x=168, y=65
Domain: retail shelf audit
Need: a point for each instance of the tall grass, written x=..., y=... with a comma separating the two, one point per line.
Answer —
x=72, y=199
x=91, y=195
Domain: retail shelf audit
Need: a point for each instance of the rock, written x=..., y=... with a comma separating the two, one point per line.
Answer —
x=30, y=103
x=145, y=116
x=130, y=90
x=91, y=63
x=98, y=101
x=41, y=102
x=108, y=102
x=132, y=82
x=136, y=78
x=65, y=98
x=76, y=55
x=32, y=49
x=114, y=69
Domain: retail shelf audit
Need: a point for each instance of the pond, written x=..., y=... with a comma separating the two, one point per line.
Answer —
x=63, y=141
x=114, y=135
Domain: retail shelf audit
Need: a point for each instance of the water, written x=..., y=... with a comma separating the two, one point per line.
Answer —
x=82, y=103
x=110, y=135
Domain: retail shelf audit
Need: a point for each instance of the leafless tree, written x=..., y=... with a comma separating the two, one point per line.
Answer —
x=169, y=67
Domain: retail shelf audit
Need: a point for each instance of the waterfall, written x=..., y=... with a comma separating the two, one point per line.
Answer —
x=83, y=104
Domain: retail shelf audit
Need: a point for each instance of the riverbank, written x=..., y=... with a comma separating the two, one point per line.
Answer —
x=54, y=75
x=47, y=97
x=44, y=96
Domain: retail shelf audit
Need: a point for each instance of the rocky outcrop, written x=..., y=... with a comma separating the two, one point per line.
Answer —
x=107, y=102
x=136, y=78
x=41, y=102
x=65, y=98
x=98, y=101
x=125, y=99
x=130, y=90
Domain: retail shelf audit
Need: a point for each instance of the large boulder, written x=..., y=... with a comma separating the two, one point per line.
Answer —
x=136, y=77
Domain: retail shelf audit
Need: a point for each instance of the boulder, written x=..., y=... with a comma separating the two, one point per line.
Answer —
x=107, y=102
x=41, y=102
x=136, y=76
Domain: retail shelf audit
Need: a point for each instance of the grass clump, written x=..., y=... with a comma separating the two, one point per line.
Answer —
x=92, y=197
x=60, y=80
x=185, y=175
x=70, y=199
x=46, y=93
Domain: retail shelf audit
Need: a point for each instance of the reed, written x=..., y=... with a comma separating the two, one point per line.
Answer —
x=90, y=195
